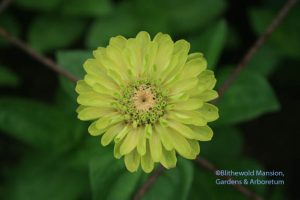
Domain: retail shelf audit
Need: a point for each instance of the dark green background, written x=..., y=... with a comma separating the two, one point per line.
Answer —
x=46, y=153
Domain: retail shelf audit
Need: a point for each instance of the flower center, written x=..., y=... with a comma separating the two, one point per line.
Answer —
x=143, y=98
x=142, y=103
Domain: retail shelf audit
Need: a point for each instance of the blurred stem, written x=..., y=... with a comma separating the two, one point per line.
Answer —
x=4, y=4
x=256, y=46
x=37, y=56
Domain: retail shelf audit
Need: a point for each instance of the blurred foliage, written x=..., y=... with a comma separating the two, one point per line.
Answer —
x=61, y=162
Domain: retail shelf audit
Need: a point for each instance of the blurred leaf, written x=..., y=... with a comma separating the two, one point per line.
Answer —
x=87, y=7
x=110, y=180
x=174, y=183
x=121, y=22
x=39, y=125
x=72, y=61
x=225, y=145
x=285, y=39
x=8, y=78
x=264, y=61
x=189, y=15
x=148, y=12
x=250, y=96
x=211, y=42
x=44, y=5
x=48, y=32
x=38, y=178
x=10, y=24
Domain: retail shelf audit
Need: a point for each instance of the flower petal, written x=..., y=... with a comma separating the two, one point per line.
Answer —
x=190, y=104
x=132, y=161
x=129, y=142
x=155, y=146
x=164, y=137
x=188, y=117
x=180, y=144
x=168, y=158
x=204, y=132
x=141, y=146
x=146, y=161
x=90, y=113
x=111, y=133
x=209, y=112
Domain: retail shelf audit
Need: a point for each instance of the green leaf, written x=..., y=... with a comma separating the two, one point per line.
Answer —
x=10, y=24
x=86, y=8
x=191, y=15
x=250, y=96
x=265, y=61
x=110, y=180
x=174, y=183
x=8, y=78
x=39, y=125
x=47, y=33
x=38, y=177
x=72, y=61
x=225, y=145
x=44, y=5
x=284, y=39
x=121, y=22
x=211, y=42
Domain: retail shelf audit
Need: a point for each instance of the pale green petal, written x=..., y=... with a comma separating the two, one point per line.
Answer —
x=164, y=52
x=92, y=80
x=130, y=141
x=94, y=99
x=147, y=162
x=168, y=158
x=122, y=134
x=188, y=117
x=155, y=146
x=180, y=143
x=141, y=146
x=193, y=68
x=93, y=130
x=194, y=56
x=148, y=130
x=178, y=98
x=204, y=132
x=209, y=112
x=104, y=122
x=132, y=161
x=118, y=42
x=82, y=87
x=183, y=85
x=207, y=95
x=117, y=153
x=150, y=56
x=195, y=147
x=111, y=133
x=207, y=81
x=190, y=104
x=184, y=130
x=90, y=113
x=165, y=137
x=180, y=53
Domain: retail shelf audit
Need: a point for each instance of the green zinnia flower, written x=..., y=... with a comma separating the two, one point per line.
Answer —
x=149, y=98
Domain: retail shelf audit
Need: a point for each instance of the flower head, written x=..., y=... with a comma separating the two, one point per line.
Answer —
x=148, y=97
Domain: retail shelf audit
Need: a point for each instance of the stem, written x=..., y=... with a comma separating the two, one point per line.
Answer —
x=256, y=46
x=37, y=56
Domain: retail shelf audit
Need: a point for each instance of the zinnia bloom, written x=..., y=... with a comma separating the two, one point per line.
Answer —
x=148, y=97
